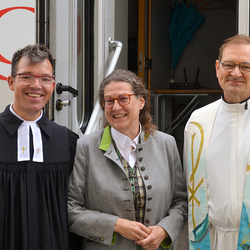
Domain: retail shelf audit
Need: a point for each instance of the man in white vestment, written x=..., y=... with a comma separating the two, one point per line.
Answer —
x=216, y=157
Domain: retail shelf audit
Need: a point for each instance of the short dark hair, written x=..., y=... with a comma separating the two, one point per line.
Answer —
x=138, y=87
x=238, y=39
x=35, y=53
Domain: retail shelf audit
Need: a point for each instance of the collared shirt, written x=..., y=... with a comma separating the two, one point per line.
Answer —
x=126, y=146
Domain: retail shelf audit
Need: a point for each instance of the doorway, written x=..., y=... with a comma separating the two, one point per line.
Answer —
x=149, y=46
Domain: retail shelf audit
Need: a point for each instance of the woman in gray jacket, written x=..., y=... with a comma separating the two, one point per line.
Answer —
x=127, y=189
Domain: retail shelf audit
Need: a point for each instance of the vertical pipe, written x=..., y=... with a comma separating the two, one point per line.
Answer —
x=141, y=34
x=89, y=62
x=243, y=17
x=149, y=46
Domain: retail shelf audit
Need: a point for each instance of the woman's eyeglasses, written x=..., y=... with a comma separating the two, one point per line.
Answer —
x=123, y=100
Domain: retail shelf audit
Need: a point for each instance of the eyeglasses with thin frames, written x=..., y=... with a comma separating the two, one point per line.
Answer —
x=123, y=100
x=229, y=66
x=30, y=79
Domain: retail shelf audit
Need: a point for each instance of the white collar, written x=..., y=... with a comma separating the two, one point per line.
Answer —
x=15, y=114
x=23, y=139
x=124, y=141
x=125, y=145
x=233, y=107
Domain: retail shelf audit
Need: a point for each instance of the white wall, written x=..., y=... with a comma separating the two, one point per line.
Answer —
x=17, y=29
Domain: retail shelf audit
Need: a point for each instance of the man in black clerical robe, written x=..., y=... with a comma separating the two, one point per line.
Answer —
x=36, y=158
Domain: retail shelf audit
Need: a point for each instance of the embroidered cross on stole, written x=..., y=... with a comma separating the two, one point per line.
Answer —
x=198, y=223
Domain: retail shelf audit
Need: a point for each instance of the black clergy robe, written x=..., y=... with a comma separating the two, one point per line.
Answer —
x=33, y=195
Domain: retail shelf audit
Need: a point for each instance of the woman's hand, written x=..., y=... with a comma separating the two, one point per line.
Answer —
x=153, y=241
x=131, y=230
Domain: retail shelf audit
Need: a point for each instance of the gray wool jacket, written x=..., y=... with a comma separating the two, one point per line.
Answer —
x=100, y=191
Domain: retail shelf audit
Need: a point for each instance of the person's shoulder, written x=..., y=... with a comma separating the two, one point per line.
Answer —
x=92, y=137
x=160, y=141
x=3, y=117
x=8, y=120
x=207, y=108
x=60, y=129
x=56, y=126
x=162, y=136
x=5, y=112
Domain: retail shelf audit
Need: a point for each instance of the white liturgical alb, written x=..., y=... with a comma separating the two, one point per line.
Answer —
x=227, y=162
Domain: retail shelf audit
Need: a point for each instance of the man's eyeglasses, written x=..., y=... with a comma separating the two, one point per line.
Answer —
x=30, y=79
x=229, y=66
x=123, y=100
